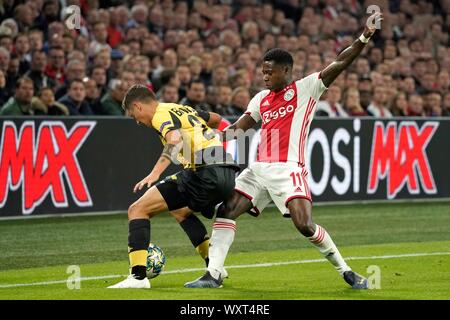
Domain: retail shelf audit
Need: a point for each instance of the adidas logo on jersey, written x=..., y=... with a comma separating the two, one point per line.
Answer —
x=266, y=103
x=298, y=189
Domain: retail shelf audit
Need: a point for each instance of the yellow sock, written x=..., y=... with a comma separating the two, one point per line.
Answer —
x=138, y=258
x=203, y=249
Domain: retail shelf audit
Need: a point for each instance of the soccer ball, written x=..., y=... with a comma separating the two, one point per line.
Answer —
x=156, y=261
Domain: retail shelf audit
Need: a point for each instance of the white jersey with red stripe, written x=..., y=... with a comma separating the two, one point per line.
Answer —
x=280, y=172
x=286, y=117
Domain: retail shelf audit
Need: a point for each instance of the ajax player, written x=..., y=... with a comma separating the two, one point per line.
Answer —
x=286, y=110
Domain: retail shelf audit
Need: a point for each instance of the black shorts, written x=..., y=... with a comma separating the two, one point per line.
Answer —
x=200, y=190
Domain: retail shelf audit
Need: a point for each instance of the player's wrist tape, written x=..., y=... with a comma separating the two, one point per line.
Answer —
x=363, y=38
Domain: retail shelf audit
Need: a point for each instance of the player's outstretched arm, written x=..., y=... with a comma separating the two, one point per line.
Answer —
x=244, y=123
x=346, y=57
x=214, y=120
x=174, y=142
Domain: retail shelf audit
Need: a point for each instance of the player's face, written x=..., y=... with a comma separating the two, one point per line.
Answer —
x=275, y=76
x=137, y=112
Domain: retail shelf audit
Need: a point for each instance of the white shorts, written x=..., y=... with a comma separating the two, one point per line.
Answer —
x=281, y=182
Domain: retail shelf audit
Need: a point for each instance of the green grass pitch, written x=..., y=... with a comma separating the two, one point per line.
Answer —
x=409, y=243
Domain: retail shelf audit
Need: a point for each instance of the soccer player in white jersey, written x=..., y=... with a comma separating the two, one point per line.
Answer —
x=286, y=110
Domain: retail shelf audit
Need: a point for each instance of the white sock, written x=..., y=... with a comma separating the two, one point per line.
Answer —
x=222, y=237
x=322, y=241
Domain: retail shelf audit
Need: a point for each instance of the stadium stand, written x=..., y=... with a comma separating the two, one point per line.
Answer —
x=403, y=72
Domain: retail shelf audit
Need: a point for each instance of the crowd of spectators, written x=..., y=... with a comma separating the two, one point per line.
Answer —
x=207, y=54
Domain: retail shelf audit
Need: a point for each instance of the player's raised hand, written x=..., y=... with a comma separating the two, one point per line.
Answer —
x=372, y=24
x=147, y=181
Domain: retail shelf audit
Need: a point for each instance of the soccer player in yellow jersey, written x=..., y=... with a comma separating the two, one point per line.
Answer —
x=206, y=180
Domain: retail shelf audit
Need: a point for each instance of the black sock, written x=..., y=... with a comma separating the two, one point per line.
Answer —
x=196, y=231
x=138, y=240
x=139, y=272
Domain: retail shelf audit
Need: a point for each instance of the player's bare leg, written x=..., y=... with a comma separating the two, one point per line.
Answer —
x=139, y=213
x=222, y=236
x=301, y=213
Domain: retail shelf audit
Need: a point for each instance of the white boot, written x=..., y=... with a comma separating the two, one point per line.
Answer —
x=132, y=282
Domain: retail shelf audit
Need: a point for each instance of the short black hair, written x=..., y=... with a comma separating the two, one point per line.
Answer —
x=137, y=92
x=279, y=56
x=194, y=81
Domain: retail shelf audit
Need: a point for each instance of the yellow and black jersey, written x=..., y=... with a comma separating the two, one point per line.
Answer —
x=200, y=145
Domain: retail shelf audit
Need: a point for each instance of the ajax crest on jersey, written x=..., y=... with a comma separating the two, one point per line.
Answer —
x=156, y=260
x=289, y=94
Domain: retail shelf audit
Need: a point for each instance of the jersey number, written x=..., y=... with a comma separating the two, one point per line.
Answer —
x=207, y=133
x=296, y=177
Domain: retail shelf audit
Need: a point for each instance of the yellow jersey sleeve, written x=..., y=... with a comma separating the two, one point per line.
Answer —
x=163, y=121
x=200, y=144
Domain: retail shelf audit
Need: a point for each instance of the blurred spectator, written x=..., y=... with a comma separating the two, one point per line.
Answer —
x=224, y=98
x=6, y=40
x=55, y=66
x=195, y=96
x=433, y=104
x=75, y=69
x=4, y=59
x=378, y=106
x=352, y=104
x=409, y=85
x=12, y=75
x=195, y=66
x=400, y=105
x=74, y=100
x=415, y=106
x=21, y=48
x=100, y=39
x=23, y=15
x=92, y=95
x=3, y=93
x=98, y=74
x=240, y=99
x=184, y=75
x=20, y=103
x=446, y=105
x=169, y=93
x=37, y=71
x=331, y=106
x=111, y=102
x=168, y=76
x=221, y=43
x=46, y=100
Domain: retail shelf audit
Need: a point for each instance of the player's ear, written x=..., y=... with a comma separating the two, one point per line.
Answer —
x=286, y=69
x=137, y=105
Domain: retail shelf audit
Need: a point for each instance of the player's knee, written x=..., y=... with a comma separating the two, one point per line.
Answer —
x=306, y=228
x=227, y=211
x=135, y=211
x=303, y=223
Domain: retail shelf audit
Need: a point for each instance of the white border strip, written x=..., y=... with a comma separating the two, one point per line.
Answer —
x=257, y=265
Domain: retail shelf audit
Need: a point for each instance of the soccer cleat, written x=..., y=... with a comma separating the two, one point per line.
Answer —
x=223, y=273
x=205, y=281
x=132, y=283
x=355, y=280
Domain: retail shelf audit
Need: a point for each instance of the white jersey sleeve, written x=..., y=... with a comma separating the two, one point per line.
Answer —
x=314, y=85
x=254, y=106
